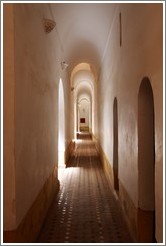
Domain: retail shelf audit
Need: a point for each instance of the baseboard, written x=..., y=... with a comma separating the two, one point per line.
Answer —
x=129, y=211
x=69, y=151
x=29, y=228
x=139, y=221
x=106, y=165
x=146, y=230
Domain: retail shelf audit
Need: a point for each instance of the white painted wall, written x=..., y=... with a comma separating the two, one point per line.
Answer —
x=61, y=125
x=37, y=58
x=123, y=69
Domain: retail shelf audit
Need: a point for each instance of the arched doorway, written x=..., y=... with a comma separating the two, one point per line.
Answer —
x=115, y=144
x=61, y=126
x=146, y=163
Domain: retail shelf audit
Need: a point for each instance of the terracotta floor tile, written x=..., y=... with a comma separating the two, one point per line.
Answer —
x=85, y=210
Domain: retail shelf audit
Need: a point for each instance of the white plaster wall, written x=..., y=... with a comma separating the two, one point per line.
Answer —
x=37, y=72
x=61, y=125
x=122, y=71
x=68, y=107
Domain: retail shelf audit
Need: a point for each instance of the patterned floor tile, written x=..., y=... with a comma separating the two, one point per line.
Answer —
x=85, y=210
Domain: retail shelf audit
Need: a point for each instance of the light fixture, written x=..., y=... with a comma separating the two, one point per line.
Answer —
x=48, y=25
x=64, y=65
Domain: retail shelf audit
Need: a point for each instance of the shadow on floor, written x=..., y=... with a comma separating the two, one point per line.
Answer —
x=85, y=210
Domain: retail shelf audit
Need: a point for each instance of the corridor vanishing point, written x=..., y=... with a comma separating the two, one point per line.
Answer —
x=83, y=122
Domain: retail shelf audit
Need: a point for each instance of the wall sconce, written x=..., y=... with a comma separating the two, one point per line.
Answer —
x=48, y=25
x=64, y=65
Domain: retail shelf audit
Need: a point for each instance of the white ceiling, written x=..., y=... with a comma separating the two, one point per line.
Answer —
x=83, y=29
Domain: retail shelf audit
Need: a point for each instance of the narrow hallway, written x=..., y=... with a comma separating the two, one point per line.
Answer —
x=82, y=114
x=85, y=210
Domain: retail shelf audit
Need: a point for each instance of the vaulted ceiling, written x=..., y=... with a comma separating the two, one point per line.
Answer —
x=83, y=30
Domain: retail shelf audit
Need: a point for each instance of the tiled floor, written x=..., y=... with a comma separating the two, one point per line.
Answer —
x=85, y=210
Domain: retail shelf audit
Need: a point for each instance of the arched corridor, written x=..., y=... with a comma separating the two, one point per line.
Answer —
x=83, y=122
x=84, y=98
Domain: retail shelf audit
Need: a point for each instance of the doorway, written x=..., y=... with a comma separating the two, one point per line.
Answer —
x=115, y=144
x=146, y=163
